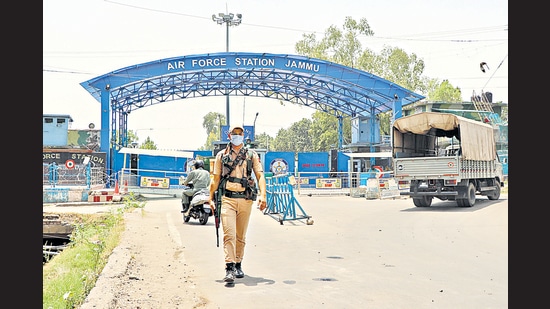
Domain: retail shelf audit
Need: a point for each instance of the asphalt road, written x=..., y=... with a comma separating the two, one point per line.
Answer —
x=358, y=253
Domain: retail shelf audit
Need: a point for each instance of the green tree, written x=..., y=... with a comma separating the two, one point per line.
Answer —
x=339, y=46
x=212, y=123
x=148, y=144
x=385, y=122
x=344, y=47
x=300, y=136
x=132, y=137
x=443, y=92
x=282, y=141
x=325, y=130
x=264, y=141
x=395, y=65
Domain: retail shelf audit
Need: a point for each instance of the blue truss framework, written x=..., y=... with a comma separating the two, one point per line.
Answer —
x=319, y=84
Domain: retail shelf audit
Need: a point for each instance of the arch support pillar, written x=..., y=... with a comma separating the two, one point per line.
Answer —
x=340, y=132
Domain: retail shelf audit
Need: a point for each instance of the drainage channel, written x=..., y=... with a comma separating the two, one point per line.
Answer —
x=55, y=236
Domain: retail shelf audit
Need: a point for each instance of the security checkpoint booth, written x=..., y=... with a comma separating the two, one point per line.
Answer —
x=374, y=173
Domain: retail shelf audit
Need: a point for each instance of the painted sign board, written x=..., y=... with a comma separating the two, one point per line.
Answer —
x=333, y=183
x=155, y=182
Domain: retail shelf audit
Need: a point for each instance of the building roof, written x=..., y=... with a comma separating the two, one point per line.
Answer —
x=58, y=116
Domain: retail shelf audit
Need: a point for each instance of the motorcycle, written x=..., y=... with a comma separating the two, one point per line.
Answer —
x=198, y=208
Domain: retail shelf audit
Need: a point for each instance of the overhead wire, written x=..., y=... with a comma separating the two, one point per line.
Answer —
x=500, y=64
x=435, y=36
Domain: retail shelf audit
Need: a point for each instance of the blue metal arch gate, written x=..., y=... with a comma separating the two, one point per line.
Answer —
x=323, y=85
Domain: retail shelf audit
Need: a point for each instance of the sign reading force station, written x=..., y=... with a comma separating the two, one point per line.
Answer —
x=260, y=62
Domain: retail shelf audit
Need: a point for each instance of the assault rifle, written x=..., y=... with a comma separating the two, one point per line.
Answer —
x=218, y=201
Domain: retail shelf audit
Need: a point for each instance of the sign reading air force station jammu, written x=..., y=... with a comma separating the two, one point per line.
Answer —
x=244, y=62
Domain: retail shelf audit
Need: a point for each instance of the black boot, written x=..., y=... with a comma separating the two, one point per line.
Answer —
x=229, y=272
x=239, y=271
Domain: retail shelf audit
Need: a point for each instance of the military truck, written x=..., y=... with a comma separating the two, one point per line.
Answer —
x=445, y=156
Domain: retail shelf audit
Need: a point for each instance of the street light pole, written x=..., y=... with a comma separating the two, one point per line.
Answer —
x=254, y=126
x=229, y=20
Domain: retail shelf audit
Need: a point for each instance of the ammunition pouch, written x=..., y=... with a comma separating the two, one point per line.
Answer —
x=251, y=193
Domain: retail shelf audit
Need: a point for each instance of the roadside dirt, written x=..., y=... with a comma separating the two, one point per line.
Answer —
x=147, y=270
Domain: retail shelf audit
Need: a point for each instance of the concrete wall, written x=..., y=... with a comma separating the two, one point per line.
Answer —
x=64, y=195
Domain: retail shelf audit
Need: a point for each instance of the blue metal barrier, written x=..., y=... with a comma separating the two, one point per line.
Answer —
x=281, y=202
x=53, y=174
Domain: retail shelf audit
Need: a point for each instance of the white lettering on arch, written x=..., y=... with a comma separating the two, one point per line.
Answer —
x=302, y=65
x=254, y=62
x=176, y=65
x=209, y=62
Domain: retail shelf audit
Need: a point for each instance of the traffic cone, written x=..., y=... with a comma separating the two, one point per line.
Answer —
x=116, y=196
x=125, y=189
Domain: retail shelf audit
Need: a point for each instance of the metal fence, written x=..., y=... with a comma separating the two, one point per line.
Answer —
x=304, y=183
x=78, y=175
x=335, y=183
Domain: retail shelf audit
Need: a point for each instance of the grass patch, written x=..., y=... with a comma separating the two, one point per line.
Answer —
x=68, y=277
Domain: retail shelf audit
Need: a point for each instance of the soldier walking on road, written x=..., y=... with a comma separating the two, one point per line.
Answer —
x=233, y=178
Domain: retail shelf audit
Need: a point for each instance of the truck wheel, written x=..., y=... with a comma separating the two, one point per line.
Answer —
x=495, y=195
x=470, y=199
x=424, y=201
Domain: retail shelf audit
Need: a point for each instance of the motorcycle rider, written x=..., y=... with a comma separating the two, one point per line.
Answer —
x=200, y=178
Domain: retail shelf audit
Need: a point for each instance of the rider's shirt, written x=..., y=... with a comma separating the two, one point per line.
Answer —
x=200, y=179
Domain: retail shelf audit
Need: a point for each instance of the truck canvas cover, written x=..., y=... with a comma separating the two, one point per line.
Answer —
x=477, y=139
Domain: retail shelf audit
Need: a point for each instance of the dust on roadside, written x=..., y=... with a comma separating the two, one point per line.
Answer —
x=147, y=270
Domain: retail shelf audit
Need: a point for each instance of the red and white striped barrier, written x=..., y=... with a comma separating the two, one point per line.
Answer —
x=101, y=196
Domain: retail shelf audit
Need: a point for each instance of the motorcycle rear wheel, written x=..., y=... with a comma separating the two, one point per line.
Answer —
x=203, y=218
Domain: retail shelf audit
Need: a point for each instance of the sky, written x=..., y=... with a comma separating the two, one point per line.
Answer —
x=86, y=39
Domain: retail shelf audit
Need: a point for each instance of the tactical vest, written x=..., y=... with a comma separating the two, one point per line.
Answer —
x=251, y=191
